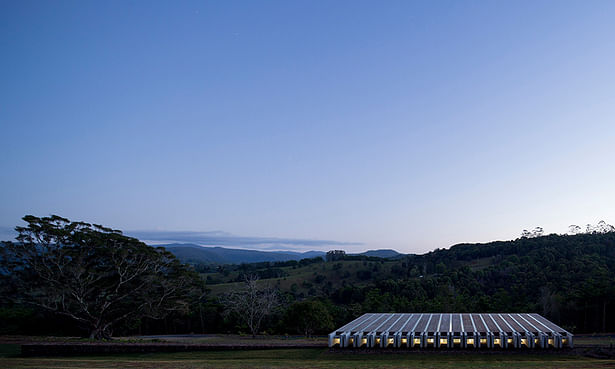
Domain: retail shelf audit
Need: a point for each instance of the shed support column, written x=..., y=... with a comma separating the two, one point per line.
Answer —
x=532, y=340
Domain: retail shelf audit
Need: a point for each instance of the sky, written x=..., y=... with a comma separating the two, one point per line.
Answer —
x=410, y=125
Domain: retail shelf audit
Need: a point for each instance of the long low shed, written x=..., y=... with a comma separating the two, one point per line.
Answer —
x=425, y=330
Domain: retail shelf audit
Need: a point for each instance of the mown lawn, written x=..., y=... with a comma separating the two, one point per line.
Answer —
x=594, y=340
x=308, y=358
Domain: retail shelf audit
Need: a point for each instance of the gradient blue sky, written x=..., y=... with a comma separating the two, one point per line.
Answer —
x=409, y=125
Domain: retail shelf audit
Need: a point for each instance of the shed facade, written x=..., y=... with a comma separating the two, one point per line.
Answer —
x=451, y=330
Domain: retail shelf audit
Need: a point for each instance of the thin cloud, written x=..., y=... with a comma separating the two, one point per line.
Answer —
x=218, y=238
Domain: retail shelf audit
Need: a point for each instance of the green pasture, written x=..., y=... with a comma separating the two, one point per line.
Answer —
x=306, y=358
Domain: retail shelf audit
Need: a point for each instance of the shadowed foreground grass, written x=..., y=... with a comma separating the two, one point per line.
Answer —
x=306, y=358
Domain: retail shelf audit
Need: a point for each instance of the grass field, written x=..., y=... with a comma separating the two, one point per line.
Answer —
x=303, y=358
x=318, y=357
x=594, y=340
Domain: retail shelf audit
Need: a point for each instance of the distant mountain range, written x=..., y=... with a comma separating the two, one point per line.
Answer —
x=191, y=253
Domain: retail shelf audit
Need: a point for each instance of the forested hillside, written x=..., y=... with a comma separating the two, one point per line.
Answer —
x=568, y=279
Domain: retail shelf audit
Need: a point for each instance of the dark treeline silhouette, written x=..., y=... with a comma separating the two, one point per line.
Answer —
x=569, y=279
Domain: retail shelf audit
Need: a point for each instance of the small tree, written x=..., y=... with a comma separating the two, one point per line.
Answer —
x=94, y=275
x=536, y=232
x=252, y=303
x=574, y=229
x=603, y=227
x=334, y=255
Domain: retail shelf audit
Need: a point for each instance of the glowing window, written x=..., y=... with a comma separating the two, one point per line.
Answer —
x=524, y=341
x=536, y=340
x=336, y=341
x=564, y=340
x=364, y=341
x=497, y=341
x=470, y=341
x=550, y=341
x=483, y=341
x=456, y=341
x=377, y=340
x=404, y=341
x=351, y=340
x=391, y=341
x=417, y=341
x=443, y=341
x=510, y=340
x=430, y=340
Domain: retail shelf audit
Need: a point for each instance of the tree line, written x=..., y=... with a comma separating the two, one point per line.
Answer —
x=94, y=281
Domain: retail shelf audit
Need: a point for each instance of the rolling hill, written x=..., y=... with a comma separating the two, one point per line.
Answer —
x=382, y=253
x=570, y=279
x=195, y=254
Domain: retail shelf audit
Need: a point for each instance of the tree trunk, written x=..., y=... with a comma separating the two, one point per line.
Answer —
x=95, y=334
x=604, y=316
x=100, y=333
x=201, y=317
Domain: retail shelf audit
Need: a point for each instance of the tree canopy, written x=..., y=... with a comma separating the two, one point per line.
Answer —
x=94, y=275
x=309, y=316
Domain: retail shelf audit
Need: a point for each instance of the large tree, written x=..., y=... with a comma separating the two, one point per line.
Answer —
x=252, y=303
x=92, y=274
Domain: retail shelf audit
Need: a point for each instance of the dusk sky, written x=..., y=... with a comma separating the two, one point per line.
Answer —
x=320, y=124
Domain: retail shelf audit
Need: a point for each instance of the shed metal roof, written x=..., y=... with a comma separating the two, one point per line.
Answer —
x=431, y=323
